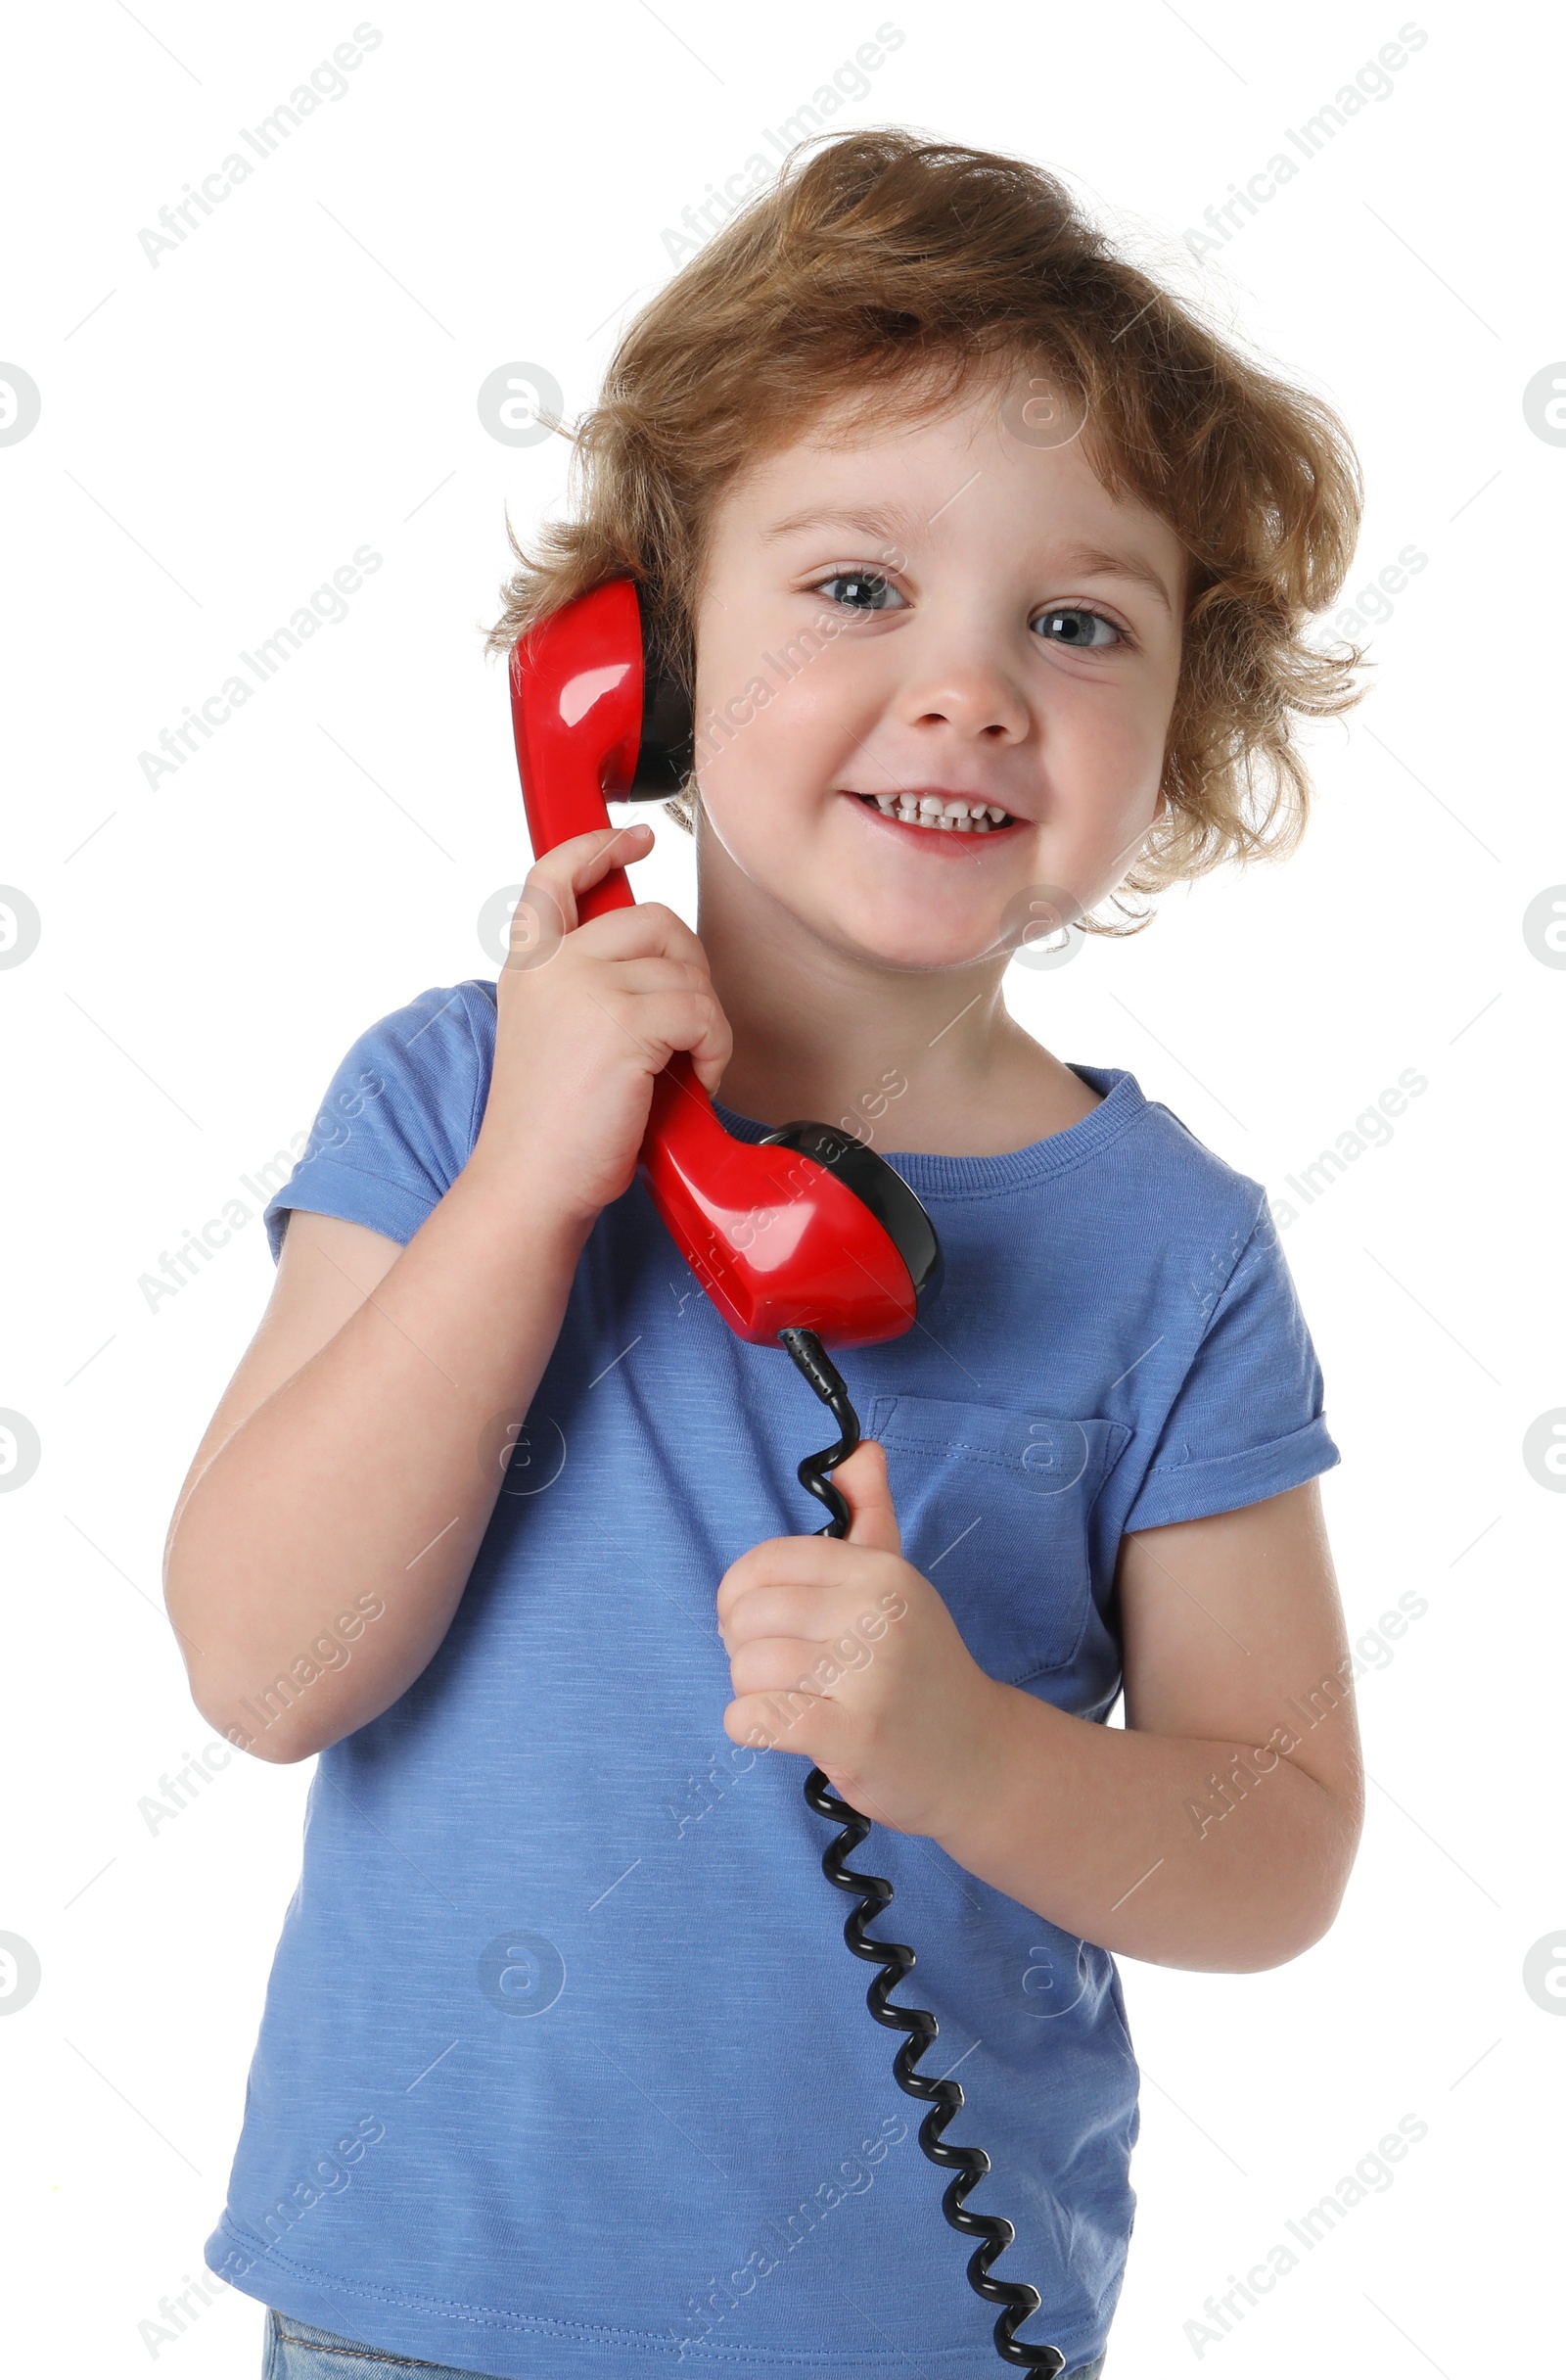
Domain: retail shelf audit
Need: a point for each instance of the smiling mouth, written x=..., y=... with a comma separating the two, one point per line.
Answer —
x=941, y=813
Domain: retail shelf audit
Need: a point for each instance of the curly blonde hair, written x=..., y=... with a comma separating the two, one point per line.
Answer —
x=899, y=271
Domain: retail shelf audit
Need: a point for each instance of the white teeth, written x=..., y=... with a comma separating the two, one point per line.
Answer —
x=929, y=809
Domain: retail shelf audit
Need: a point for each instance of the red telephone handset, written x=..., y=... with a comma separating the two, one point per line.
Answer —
x=808, y=1228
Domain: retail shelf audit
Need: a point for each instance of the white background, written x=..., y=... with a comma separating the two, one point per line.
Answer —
x=218, y=433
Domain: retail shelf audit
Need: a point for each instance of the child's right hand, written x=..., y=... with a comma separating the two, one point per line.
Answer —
x=588, y=1015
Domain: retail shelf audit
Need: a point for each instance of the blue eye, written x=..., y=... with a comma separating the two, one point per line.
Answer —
x=1074, y=624
x=864, y=590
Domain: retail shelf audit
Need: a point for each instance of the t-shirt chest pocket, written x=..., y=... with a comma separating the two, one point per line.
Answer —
x=993, y=1505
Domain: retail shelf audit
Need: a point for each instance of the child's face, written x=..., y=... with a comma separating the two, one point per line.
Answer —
x=1005, y=633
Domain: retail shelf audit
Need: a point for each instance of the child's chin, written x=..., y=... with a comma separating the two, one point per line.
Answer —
x=916, y=945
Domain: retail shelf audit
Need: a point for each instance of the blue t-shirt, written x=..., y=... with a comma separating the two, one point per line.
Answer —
x=566, y=2070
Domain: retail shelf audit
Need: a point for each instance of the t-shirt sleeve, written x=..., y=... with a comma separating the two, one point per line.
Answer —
x=1246, y=1420
x=399, y=1120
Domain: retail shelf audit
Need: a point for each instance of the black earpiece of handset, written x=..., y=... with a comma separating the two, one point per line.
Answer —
x=667, y=753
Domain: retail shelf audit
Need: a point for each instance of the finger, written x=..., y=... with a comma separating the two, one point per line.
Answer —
x=583, y=860
x=790, y=1561
x=679, y=941
x=658, y=974
x=662, y=1022
x=809, y=1725
x=652, y=992
x=817, y=1616
x=777, y=1722
x=778, y=1663
x=865, y=1488
x=645, y=929
x=655, y=973
x=710, y=1056
x=626, y=984
x=848, y=1616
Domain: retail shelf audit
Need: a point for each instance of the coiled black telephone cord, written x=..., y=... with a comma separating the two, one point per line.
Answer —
x=993, y=2232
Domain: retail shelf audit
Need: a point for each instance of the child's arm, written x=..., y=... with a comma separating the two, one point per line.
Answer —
x=340, y=1479
x=354, y=1462
x=1235, y=1651
x=1217, y=1827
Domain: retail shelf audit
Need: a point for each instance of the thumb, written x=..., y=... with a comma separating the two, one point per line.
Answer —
x=863, y=1482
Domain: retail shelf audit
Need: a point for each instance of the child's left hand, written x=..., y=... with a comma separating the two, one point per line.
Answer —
x=839, y=1651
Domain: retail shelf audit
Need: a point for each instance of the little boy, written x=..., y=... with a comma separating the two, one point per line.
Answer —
x=989, y=570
